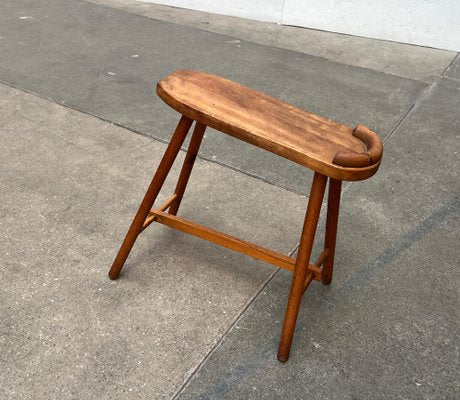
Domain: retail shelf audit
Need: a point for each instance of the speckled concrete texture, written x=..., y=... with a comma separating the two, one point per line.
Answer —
x=70, y=185
x=453, y=71
x=388, y=325
x=415, y=62
x=81, y=55
x=187, y=319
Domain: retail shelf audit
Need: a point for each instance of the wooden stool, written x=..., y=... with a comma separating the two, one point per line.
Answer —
x=330, y=149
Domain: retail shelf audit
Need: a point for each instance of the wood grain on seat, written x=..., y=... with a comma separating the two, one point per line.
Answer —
x=271, y=124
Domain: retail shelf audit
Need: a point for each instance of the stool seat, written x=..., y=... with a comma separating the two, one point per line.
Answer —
x=327, y=147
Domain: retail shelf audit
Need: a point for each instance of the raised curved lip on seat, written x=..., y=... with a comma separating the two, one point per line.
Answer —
x=372, y=156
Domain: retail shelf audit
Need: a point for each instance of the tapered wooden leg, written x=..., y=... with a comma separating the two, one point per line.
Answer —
x=333, y=202
x=186, y=170
x=150, y=196
x=301, y=267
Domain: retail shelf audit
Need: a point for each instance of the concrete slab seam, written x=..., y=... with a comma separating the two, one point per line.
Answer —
x=448, y=67
x=230, y=328
x=153, y=137
x=402, y=244
x=418, y=101
x=258, y=358
x=263, y=45
x=450, y=64
x=384, y=258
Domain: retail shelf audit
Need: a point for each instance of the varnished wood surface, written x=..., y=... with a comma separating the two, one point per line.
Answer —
x=222, y=239
x=150, y=196
x=328, y=148
x=302, y=276
x=372, y=155
x=332, y=219
x=271, y=124
x=189, y=161
x=151, y=216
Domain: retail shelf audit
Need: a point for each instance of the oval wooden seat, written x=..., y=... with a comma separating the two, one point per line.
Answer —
x=327, y=147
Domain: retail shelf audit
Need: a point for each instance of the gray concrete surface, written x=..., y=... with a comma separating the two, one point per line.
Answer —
x=388, y=326
x=115, y=86
x=189, y=320
x=416, y=62
x=70, y=185
x=454, y=69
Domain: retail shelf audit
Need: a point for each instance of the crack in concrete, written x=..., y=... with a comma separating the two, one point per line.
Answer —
x=387, y=256
x=420, y=99
x=153, y=137
x=197, y=369
x=402, y=244
x=383, y=259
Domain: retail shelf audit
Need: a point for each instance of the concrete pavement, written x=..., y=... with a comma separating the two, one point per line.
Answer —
x=81, y=134
x=416, y=62
x=90, y=66
x=70, y=185
x=388, y=326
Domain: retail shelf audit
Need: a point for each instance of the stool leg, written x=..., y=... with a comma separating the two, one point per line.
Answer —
x=150, y=196
x=186, y=170
x=333, y=202
x=303, y=259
